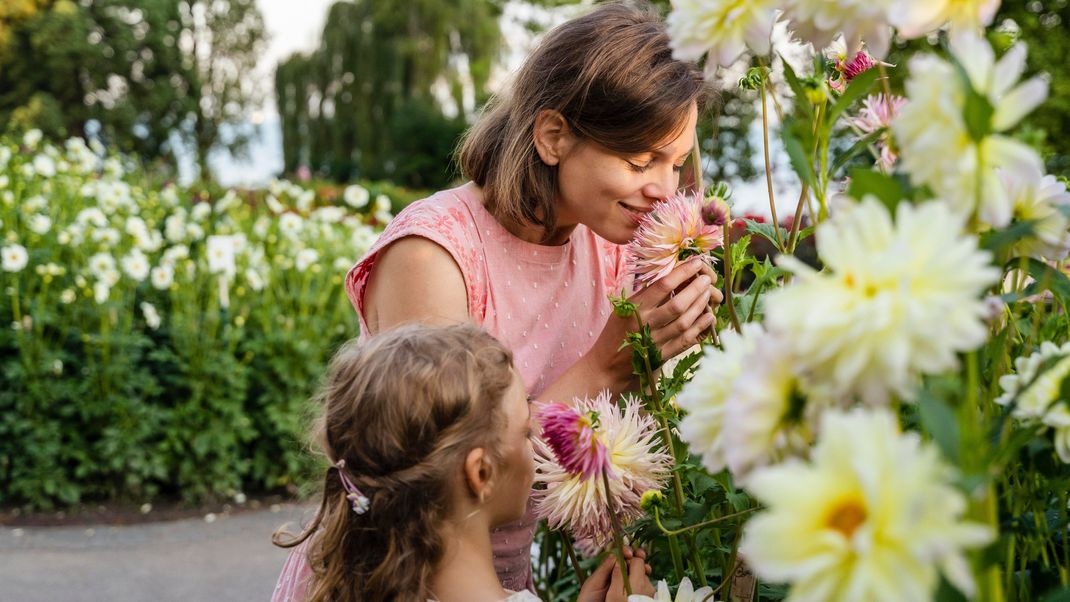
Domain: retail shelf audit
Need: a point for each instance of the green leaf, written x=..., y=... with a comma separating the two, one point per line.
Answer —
x=869, y=182
x=1062, y=595
x=766, y=231
x=801, y=101
x=859, y=87
x=1046, y=277
x=800, y=159
x=999, y=242
x=858, y=147
x=978, y=111
x=939, y=422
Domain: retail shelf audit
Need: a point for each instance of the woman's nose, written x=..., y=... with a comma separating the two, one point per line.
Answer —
x=663, y=182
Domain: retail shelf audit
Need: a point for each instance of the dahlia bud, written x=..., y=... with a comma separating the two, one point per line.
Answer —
x=715, y=212
x=651, y=498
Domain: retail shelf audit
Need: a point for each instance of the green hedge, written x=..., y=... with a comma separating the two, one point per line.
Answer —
x=158, y=340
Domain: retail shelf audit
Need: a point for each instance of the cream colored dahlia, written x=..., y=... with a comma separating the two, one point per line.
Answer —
x=935, y=143
x=819, y=21
x=915, y=18
x=705, y=395
x=685, y=593
x=568, y=500
x=1045, y=201
x=872, y=516
x=1035, y=388
x=895, y=300
x=724, y=29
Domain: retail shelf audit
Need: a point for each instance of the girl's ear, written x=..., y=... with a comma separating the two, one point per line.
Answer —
x=553, y=136
x=478, y=472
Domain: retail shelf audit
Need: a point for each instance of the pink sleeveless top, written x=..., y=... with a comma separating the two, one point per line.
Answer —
x=547, y=304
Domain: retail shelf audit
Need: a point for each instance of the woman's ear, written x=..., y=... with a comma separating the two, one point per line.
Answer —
x=478, y=472
x=553, y=137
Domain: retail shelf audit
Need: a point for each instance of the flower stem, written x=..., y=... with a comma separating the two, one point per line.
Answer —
x=618, y=535
x=705, y=523
x=768, y=164
x=581, y=576
x=726, y=244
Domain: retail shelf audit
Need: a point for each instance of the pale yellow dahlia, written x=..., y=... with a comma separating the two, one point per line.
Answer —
x=722, y=28
x=819, y=21
x=935, y=142
x=915, y=18
x=895, y=300
x=1044, y=201
x=872, y=516
x=637, y=463
x=685, y=593
x=1035, y=390
x=705, y=395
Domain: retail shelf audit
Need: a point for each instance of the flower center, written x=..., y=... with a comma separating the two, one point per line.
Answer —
x=846, y=517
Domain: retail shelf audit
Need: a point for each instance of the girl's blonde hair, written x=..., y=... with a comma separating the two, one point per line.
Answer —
x=402, y=410
x=611, y=75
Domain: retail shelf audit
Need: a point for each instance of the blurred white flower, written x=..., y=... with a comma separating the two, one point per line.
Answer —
x=229, y=201
x=722, y=28
x=705, y=396
x=169, y=195
x=163, y=276
x=895, y=300
x=273, y=204
x=356, y=196
x=15, y=258
x=819, y=21
x=44, y=165
x=136, y=265
x=173, y=254
x=200, y=212
x=101, y=291
x=109, y=237
x=152, y=317
x=342, y=264
x=68, y=296
x=194, y=232
x=1034, y=391
x=256, y=282
x=685, y=593
x=261, y=227
x=220, y=251
x=873, y=516
x=92, y=217
x=328, y=215
x=5, y=156
x=937, y=144
x=32, y=137
x=362, y=238
x=382, y=209
x=291, y=224
x=100, y=263
x=34, y=203
x=174, y=227
x=4, y=180
x=1046, y=202
x=40, y=224
x=110, y=277
x=305, y=258
x=915, y=18
x=304, y=200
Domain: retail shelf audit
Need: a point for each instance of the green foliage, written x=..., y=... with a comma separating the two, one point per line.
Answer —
x=117, y=385
x=116, y=70
x=362, y=106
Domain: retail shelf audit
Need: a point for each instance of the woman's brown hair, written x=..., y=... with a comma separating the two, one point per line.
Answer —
x=402, y=410
x=611, y=75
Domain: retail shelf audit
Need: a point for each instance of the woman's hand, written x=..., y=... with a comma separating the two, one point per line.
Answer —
x=607, y=584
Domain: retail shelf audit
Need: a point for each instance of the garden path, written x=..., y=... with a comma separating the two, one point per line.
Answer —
x=230, y=558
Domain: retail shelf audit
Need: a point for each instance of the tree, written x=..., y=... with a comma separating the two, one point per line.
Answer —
x=348, y=109
x=137, y=74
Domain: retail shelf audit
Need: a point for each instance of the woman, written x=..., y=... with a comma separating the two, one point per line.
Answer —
x=410, y=498
x=594, y=130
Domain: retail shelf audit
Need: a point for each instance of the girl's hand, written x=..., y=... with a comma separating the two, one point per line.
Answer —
x=607, y=584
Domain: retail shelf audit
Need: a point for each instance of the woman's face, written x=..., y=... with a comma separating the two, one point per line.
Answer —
x=609, y=193
x=510, y=496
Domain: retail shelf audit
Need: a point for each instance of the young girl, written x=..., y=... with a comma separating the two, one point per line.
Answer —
x=427, y=433
x=592, y=132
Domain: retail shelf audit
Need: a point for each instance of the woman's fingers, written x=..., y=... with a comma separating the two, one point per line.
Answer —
x=695, y=292
x=654, y=294
x=678, y=326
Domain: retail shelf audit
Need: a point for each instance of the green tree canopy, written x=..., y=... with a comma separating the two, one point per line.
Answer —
x=354, y=106
x=147, y=72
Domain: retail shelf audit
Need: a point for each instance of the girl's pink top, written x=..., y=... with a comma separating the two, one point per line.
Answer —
x=547, y=304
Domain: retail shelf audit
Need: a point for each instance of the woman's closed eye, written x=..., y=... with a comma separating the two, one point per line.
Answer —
x=640, y=168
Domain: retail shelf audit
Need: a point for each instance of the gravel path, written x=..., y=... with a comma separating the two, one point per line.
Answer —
x=215, y=558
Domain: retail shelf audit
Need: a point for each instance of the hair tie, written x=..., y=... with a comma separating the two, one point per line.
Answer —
x=357, y=500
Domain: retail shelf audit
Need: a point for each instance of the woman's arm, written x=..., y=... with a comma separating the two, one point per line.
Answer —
x=414, y=280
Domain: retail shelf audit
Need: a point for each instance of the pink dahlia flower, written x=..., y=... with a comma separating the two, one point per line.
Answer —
x=570, y=433
x=635, y=463
x=877, y=113
x=677, y=228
